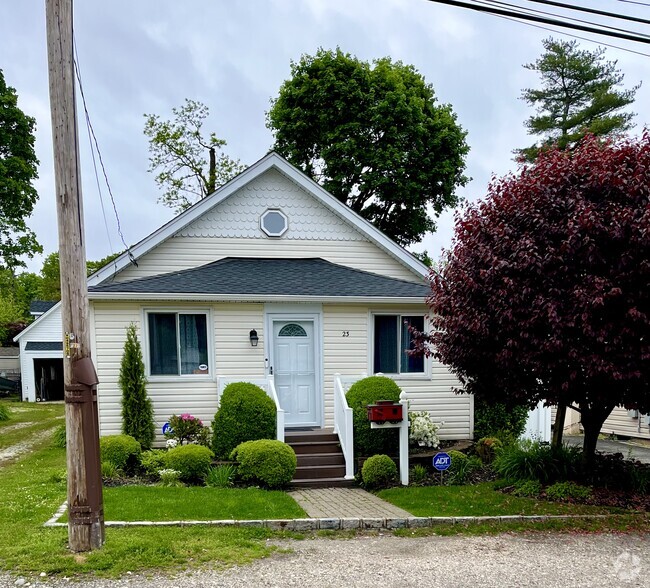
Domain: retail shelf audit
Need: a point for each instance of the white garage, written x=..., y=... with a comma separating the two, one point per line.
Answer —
x=41, y=357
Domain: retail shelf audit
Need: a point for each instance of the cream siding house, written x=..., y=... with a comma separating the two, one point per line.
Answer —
x=268, y=279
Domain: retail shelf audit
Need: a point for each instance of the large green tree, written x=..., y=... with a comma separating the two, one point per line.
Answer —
x=18, y=169
x=178, y=150
x=374, y=136
x=579, y=95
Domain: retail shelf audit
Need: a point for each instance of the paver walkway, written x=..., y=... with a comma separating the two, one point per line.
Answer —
x=345, y=503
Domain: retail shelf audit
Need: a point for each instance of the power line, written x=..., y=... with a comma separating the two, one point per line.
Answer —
x=528, y=10
x=530, y=24
x=99, y=155
x=633, y=2
x=501, y=12
x=592, y=11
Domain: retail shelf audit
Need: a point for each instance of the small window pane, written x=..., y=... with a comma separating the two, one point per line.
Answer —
x=193, y=343
x=411, y=363
x=163, y=357
x=386, y=344
x=292, y=330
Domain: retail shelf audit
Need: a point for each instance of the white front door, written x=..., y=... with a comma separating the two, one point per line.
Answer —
x=294, y=371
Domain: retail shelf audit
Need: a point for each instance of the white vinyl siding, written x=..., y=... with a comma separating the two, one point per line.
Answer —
x=179, y=253
x=345, y=351
x=349, y=355
x=233, y=356
x=620, y=423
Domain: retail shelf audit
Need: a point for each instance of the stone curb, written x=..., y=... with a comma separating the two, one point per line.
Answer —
x=338, y=524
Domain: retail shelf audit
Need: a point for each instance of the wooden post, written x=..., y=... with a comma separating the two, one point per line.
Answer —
x=85, y=505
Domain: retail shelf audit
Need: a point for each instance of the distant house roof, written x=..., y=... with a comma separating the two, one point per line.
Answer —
x=9, y=351
x=268, y=277
x=44, y=346
x=38, y=307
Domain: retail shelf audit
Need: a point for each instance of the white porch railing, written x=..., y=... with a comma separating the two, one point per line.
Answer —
x=268, y=385
x=343, y=420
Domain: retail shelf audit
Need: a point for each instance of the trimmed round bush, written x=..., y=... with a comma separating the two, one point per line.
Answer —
x=265, y=461
x=378, y=471
x=369, y=441
x=191, y=461
x=153, y=461
x=246, y=413
x=123, y=451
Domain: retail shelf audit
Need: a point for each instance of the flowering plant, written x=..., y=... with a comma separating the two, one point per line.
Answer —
x=423, y=430
x=186, y=429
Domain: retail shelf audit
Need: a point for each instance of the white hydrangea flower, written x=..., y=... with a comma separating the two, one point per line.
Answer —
x=423, y=430
x=171, y=443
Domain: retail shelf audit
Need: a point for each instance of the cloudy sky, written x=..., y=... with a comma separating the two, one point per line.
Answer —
x=147, y=56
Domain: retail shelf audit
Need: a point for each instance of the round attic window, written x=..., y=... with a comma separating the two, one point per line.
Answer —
x=274, y=223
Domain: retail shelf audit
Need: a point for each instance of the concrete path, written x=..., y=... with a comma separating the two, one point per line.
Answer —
x=629, y=449
x=345, y=503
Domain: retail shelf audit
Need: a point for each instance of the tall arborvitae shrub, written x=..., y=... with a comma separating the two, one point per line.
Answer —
x=137, y=410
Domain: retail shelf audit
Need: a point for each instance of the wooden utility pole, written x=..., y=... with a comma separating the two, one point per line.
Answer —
x=85, y=504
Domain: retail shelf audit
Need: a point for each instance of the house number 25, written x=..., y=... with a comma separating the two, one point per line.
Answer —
x=345, y=333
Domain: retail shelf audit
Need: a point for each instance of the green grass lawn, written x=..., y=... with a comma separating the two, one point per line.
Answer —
x=478, y=500
x=155, y=503
x=33, y=487
x=28, y=419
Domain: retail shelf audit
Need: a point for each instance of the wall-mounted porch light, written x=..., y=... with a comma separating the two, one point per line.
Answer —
x=254, y=338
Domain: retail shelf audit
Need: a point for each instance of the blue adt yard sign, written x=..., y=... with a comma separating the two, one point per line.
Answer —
x=441, y=461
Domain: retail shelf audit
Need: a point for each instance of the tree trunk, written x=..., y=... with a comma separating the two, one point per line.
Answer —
x=558, y=427
x=592, y=423
x=212, y=172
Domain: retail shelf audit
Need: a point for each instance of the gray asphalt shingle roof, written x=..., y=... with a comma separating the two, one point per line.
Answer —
x=271, y=277
x=44, y=346
x=41, y=306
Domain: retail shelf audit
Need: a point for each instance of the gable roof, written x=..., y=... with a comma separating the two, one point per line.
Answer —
x=246, y=278
x=270, y=161
x=38, y=321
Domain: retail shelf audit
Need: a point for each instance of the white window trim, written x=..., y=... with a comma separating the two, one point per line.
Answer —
x=423, y=376
x=210, y=376
x=274, y=234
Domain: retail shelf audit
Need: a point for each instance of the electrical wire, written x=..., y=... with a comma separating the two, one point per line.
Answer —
x=497, y=2
x=537, y=26
x=91, y=132
x=540, y=19
x=627, y=17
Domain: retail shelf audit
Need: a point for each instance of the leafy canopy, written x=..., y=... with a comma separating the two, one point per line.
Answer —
x=545, y=294
x=374, y=136
x=18, y=169
x=178, y=151
x=578, y=96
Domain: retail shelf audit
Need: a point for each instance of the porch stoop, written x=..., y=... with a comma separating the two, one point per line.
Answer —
x=320, y=459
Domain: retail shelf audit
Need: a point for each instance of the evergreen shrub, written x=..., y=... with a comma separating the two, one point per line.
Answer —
x=497, y=420
x=137, y=409
x=191, y=461
x=246, y=413
x=367, y=391
x=268, y=462
x=123, y=451
x=378, y=471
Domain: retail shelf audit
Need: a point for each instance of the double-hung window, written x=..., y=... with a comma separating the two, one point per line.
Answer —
x=392, y=341
x=178, y=343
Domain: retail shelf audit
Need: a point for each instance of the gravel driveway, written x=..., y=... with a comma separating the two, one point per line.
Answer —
x=548, y=560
